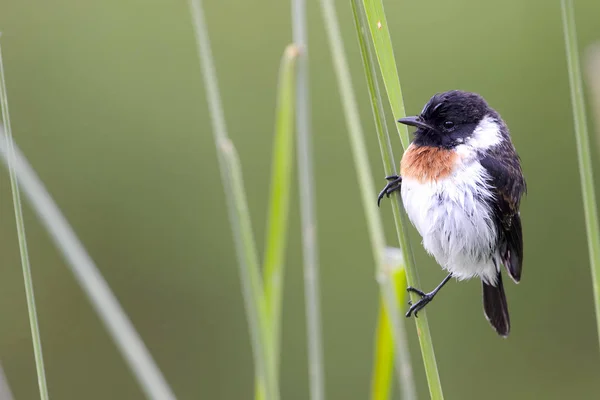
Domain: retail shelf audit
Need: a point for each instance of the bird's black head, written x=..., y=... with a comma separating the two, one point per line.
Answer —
x=448, y=119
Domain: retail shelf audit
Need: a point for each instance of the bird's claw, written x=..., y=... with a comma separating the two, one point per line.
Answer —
x=420, y=304
x=417, y=291
x=394, y=183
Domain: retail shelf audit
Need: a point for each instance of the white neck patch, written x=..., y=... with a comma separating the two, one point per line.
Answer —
x=486, y=135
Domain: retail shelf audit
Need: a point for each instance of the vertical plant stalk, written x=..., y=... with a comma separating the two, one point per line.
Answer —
x=583, y=150
x=384, y=353
x=307, y=207
x=281, y=179
x=374, y=20
x=383, y=365
x=28, y=280
x=383, y=356
x=377, y=25
x=281, y=183
x=239, y=216
x=361, y=161
x=88, y=276
x=393, y=339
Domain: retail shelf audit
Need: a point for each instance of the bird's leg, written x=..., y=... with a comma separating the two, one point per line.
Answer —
x=394, y=183
x=425, y=297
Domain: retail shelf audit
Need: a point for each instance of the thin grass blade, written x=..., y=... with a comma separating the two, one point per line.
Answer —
x=391, y=339
x=251, y=281
x=354, y=127
x=281, y=183
x=373, y=20
x=22, y=237
x=383, y=360
x=256, y=307
x=376, y=23
x=384, y=351
x=583, y=149
x=89, y=277
x=361, y=161
x=308, y=217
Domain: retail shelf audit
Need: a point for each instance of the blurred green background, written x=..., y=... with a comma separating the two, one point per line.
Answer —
x=107, y=102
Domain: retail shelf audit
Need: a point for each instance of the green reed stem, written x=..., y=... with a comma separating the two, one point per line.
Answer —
x=281, y=182
x=359, y=152
x=308, y=208
x=406, y=380
x=231, y=175
x=281, y=185
x=583, y=150
x=375, y=22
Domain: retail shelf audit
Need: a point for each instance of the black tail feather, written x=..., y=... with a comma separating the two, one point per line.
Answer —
x=495, y=307
x=513, y=256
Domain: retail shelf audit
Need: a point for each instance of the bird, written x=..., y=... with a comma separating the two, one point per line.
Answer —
x=461, y=184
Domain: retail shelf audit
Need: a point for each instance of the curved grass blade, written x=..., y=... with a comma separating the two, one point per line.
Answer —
x=89, y=277
x=583, y=150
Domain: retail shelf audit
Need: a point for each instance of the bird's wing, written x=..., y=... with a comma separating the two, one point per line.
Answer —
x=508, y=185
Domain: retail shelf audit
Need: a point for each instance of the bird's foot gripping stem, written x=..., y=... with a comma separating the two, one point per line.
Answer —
x=421, y=303
x=394, y=183
x=425, y=297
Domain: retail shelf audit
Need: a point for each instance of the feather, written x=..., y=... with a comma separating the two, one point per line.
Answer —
x=508, y=185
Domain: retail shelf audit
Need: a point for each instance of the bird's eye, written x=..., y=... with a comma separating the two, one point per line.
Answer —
x=448, y=124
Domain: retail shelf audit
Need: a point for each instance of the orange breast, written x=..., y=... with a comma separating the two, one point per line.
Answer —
x=427, y=163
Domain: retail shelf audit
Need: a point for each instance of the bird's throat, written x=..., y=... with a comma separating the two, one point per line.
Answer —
x=426, y=163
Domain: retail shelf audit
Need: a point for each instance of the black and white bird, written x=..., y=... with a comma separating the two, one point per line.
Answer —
x=461, y=184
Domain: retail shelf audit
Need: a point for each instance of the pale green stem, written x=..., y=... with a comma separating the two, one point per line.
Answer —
x=308, y=208
x=387, y=281
x=281, y=179
x=354, y=127
x=89, y=277
x=359, y=152
x=28, y=280
x=377, y=24
x=583, y=150
x=403, y=364
x=279, y=203
x=239, y=216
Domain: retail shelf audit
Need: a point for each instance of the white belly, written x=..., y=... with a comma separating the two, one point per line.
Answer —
x=456, y=225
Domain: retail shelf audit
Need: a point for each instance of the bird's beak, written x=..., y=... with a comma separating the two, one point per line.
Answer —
x=414, y=121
